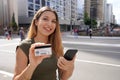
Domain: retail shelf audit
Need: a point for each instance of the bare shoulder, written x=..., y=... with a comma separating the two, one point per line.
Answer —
x=21, y=61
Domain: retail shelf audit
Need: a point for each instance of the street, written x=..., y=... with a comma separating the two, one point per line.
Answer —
x=97, y=59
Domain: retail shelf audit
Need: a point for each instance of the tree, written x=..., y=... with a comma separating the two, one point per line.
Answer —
x=93, y=23
x=14, y=24
x=87, y=20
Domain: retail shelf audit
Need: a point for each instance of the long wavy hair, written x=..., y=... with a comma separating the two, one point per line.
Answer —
x=54, y=38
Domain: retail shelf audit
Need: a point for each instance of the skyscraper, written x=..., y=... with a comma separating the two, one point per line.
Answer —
x=95, y=10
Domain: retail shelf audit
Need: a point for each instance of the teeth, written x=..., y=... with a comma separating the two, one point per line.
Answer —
x=48, y=29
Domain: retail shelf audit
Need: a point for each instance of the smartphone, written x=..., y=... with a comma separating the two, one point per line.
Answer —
x=44, y=49
x=70, y=53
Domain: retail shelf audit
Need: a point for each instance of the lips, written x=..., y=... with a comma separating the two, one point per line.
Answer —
x=47, y=29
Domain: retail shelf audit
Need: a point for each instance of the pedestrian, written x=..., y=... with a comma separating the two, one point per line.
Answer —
x=87, y=31
x=76, y=33
x=90, y=32
x=7, y=34
x=22, y=33
x=44, y=29
x=10, y=33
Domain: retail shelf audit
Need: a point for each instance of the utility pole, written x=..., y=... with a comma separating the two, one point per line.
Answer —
x=71, y=17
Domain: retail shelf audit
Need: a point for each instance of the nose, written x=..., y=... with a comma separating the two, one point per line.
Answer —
x=50, y=23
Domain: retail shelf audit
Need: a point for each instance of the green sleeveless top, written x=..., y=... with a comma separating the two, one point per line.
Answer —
x=46, y=70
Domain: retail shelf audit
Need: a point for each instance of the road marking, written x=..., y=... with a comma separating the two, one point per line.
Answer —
x=106, y=51
x=6, y=73
x=93, y=37
x=8, y=44
x=94, y=44
x=93, y=62
x=100, y=63
x=7, y=51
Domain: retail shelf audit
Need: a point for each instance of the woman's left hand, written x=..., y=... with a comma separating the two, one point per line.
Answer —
x=65, y=66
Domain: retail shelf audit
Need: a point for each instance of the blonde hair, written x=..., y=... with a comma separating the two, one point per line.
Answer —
x=54, y=38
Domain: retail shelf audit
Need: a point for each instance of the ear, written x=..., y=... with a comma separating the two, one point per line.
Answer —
x=36, y=22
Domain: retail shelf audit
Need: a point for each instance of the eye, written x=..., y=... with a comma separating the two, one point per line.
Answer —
x=54, y=21
x=45, y=19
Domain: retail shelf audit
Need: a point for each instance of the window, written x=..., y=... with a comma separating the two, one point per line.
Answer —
x=37, y=7
x=37, y=1
x=30, y=7
x=48, y=4
x=30, y=0
x=30, y=14
x=43, y=2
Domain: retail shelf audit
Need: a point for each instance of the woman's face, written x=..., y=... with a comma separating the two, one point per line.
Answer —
x=46, y=24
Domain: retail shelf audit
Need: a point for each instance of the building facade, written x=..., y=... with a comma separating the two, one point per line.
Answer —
x=66, y=9
x=7, y=9
x=109, y=14
x=24, y=11
x=95, y=10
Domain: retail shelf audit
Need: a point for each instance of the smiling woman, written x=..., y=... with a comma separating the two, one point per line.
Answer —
x=44, y=30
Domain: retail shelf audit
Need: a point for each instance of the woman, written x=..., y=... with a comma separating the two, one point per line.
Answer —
x=44, y=30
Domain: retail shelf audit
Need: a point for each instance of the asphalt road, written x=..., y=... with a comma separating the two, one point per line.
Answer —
x=97, y=59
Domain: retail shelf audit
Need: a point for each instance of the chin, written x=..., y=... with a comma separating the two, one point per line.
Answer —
x=47, y=35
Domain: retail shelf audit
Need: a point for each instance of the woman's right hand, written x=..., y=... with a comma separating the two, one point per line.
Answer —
x=35, y=60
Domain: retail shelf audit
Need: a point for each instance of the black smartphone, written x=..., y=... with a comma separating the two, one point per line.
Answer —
x=70, y=53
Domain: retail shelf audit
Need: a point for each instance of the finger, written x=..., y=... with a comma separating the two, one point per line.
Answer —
x=60, y=64
x=31, y=50
x=74, y=58
x=39, y=44
x=63, y=61
x=45, y=56
x=34, y=45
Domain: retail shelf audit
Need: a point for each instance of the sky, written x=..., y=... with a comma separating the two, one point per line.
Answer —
x=116, y=9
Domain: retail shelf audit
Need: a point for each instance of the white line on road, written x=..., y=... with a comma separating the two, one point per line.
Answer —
x=85, y=61
x=6, y=73
x=104, y=51
x=84, y=43
x=94, y=44
x=8, y=44
x=7, y=51
x=100, y=63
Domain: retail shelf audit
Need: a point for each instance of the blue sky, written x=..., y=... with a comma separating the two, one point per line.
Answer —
x=116, y=9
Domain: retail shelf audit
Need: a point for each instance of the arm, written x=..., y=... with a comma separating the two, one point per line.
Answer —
x=65, y=68
x=22, y=70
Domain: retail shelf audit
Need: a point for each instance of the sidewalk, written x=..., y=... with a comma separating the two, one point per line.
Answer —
x=68, y=34
x=13, y=36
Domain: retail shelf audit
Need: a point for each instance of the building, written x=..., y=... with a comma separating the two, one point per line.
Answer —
x=66, y=9
x=7, y=9
x=109, y=14
x=24, y=11
x=95, y=10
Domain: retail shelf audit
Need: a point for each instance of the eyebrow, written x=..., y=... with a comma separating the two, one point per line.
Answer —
x=53, y=19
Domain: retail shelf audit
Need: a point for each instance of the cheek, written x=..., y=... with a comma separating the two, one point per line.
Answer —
x=40, y=24
x=54, y=27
